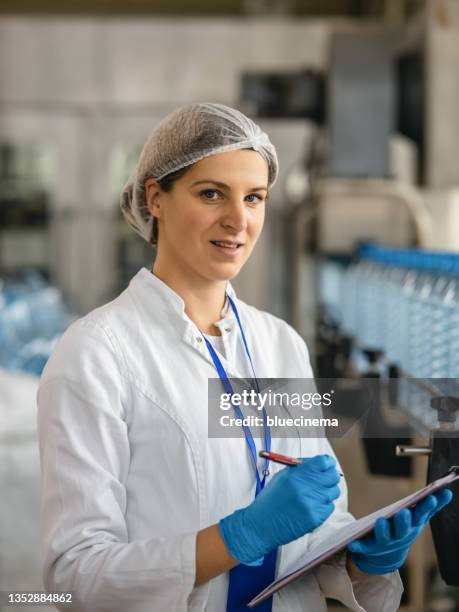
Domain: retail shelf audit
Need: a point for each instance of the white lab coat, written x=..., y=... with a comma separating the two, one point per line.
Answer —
x=130, y=475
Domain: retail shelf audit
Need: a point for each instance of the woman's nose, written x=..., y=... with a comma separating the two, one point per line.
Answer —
x=235, y=216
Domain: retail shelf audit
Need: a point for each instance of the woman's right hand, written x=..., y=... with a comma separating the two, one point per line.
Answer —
x=295, y=502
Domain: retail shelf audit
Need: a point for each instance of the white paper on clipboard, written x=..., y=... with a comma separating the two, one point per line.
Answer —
x=340, y=538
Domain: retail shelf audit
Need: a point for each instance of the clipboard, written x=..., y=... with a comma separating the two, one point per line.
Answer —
x=343, y=536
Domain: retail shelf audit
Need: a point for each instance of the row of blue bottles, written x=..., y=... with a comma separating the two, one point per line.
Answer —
x=405, y=302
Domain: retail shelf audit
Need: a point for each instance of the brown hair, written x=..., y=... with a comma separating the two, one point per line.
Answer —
x=166, y=184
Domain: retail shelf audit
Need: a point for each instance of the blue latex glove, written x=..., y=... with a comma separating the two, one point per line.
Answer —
x=296, y=501
x=385, y=549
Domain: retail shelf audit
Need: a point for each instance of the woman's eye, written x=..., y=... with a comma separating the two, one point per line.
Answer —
x=209, y=194
x=257, y=198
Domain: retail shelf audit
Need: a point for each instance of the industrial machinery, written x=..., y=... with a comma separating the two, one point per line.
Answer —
x=385, y=315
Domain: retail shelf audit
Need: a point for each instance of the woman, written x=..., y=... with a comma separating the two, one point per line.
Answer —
x=143, y=511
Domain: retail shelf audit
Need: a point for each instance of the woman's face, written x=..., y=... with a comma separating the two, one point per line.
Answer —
x=211, y=219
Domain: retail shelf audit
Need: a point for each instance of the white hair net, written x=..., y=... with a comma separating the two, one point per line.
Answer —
x=182, y=138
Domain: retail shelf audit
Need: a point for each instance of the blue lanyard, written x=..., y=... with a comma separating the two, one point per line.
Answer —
x=229, y=389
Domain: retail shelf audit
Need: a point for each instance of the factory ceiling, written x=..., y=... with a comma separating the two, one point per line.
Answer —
x=314, y=8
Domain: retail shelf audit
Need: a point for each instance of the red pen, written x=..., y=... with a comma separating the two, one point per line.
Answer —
x=283, y=459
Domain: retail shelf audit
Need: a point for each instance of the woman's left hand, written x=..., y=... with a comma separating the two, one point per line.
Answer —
x=385, y=549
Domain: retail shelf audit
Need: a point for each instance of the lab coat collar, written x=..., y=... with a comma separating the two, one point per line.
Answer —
x=172, y=302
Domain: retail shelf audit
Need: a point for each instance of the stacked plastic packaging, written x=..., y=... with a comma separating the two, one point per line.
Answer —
x=32, y=317
x=404, y=303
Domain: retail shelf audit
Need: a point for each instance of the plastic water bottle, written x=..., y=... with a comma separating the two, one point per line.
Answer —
x=5, y=333
x=366, y=295
x=47, y=312
x=407, y=338
x=329, y=289
x=421, y=349
x=349, y=302
x=451, y=305
x=437, y=357
x=419, y=338
x=387, y=284
x=374, y=303
x=393, y=328
x=17, y=317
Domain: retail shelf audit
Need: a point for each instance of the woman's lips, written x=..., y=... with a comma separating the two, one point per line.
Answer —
x=225, y=248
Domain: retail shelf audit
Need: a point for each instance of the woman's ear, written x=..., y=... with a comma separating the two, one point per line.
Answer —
x=153, y=195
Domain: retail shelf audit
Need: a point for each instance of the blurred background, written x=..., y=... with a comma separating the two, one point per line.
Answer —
x=360, y=251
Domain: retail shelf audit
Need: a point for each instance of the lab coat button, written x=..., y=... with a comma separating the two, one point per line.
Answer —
x=199, y=339
x=227, y=329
